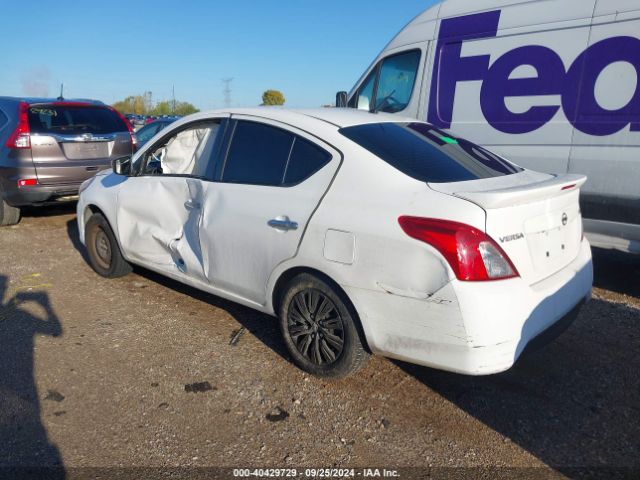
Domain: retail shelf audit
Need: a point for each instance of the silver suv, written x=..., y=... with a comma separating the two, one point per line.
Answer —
x=48, y=147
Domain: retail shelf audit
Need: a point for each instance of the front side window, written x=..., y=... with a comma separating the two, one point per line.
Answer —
x=397, y=78
x=188, y=152
x=365, y=94
x=428, y=154
x=389, y=86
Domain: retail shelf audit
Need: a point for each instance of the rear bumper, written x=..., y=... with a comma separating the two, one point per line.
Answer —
x=39, y=194
x=475, y=328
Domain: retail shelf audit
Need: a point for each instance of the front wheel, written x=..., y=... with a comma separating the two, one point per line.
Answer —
x=319, y=328
x=104, y=252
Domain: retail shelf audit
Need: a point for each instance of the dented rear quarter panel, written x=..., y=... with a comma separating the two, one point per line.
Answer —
x=398, y=285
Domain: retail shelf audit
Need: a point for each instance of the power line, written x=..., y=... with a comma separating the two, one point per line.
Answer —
x=227, y=91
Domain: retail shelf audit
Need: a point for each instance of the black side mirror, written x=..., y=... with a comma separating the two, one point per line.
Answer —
x=122, y=166
x=341, y=99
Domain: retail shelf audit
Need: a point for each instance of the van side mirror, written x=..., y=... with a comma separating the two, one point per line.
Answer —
x=122, y=166
x=341, y=99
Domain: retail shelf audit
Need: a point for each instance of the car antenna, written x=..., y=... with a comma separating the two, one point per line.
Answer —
x=60, y=98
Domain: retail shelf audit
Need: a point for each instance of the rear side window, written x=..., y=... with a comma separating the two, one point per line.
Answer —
x=428, y=154
x=74, y=120
x=260, y=154
x=306, y=159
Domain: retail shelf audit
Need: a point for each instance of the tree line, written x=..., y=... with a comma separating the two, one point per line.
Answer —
x=143, y=105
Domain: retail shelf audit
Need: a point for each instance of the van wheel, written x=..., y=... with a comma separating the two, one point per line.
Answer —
x=319, y=328
x=8, y=215
x=105, y=256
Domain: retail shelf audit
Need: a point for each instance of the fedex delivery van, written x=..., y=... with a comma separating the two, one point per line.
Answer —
x=552, y=85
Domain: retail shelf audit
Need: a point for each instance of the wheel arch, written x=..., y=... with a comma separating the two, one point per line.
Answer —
x=289, y=274
x=91, y=209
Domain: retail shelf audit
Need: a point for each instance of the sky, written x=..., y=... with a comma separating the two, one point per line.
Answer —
x=111, y=49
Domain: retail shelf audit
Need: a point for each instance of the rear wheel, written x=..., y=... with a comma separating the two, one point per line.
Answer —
x=8, y=215
x=105, y=256
x=319, y=328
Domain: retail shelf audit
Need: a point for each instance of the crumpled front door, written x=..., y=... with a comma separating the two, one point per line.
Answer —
x=158, y=223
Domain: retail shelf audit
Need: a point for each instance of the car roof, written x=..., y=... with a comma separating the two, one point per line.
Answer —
x=35, y=100
x=338, y=117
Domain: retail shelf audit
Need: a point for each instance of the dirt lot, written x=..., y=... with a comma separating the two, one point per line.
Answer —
x=140, y=372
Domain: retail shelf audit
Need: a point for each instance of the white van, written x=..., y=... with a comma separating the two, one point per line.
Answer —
x=552, y=85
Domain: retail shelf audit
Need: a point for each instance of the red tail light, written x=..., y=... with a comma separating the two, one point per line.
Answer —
x=21, y=136
x=27, y=182
x=471, y=253
x=134, y=140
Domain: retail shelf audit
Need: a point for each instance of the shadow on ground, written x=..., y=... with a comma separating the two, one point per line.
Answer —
x=25, y=450
x=617, y=271
x=574, y=403
x=62, y=208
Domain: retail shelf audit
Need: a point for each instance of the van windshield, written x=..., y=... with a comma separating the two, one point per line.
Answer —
x=74, y=120
x=428, y=154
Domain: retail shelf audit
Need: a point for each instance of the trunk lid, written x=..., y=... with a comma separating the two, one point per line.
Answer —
x=534, y=217
x=71, y=142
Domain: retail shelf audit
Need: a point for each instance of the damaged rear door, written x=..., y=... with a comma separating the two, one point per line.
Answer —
x=266, y=190
x=160, y=209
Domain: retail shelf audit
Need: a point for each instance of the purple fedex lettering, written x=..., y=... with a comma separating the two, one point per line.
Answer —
x=450, y=68
x=498, y=86
x=583, y=110
x=576, y=87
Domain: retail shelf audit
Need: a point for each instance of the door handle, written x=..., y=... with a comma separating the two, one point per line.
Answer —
x=191, y=205
x=282, y=223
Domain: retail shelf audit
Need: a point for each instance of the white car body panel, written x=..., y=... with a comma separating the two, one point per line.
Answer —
x=408, y=299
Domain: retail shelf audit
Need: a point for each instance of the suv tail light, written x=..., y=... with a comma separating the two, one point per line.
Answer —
x=134, y=140
x=21, y=136
x=471, y=253
x=27, y=182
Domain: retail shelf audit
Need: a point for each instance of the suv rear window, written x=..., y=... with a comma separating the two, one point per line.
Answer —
x=72, y=119
x=428, y=154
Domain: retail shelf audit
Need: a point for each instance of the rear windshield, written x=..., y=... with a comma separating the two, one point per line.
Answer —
x=428, y=154
x=67, y=119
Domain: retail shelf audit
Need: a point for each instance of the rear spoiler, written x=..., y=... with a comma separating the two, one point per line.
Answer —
x=507, y=197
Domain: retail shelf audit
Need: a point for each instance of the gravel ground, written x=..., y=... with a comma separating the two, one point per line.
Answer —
x=141, y=371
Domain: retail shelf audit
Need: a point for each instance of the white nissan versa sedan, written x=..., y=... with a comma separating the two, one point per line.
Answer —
x=362, y=232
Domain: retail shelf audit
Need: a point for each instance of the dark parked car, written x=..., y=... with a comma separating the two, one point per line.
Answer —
x=49, y=147
x=150, y=129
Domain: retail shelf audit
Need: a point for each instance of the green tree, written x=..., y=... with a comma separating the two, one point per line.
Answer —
x=162, y=108
x=273, y=97
x=185, y=108
x=133, y=104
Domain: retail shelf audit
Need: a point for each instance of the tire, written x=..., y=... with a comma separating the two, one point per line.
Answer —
x=8, y=215
x=331, y=347
x=104, y=252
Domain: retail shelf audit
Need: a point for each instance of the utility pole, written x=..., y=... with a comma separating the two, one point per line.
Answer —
x=227, y=91
x=61, y=97
x=173, y=94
